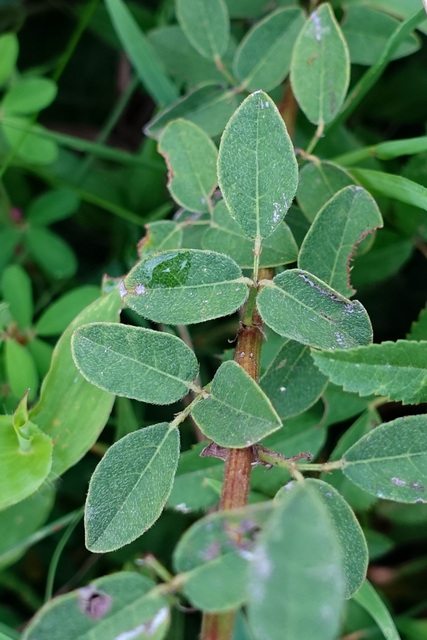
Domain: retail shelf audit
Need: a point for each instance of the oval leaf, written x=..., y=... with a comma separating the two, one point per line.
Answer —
x=184, y=287
x=52, y=206
x=263, y=57
x=61, y=312
x=396, y=370
x=318, y=183
x=320, y=68
x=138, y=363
x=29, y=96
x=17, y=292
x=21, y=371
x=237, y=413
x=206, y=25
x=299, y=306
x=130, y=486
x=257, y=170
x=391, y=461
x=51, y=252
x=9, y=48
x=290, y=593
x=331, y=241
x=191, y=158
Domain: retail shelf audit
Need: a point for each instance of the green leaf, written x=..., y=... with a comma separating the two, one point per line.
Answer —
x=391, y=461
x=320, y=68
x=71, y=410
x=396, y=370
x=368, y=598
x=191, y=158
x=25, y=464
x=206, y=25
x=252, y=8
x=209, y=107
x=141, y=54
x=331, y=241
x=419, y=327
x=62, y=311
x=318, y=183
x=29, y=96
x=17, y=292
x=292, y=381
x=9, y=240
x=184, y=287
x=226, y=236
x=263, y=58
x=33, y=147
x=392, y=186
x=21, y=372
x=160, y=236
x=52, y=253
x=257, y=170
x=214, y=552
x=300, y=593
x=52, y=206
x=9, y=48
x=342, y=405
x=42, y=355
x=299, y=306
x=115, y=606
x=237, y=413
x=367, y=32
x=138, y=363
x=130, y=486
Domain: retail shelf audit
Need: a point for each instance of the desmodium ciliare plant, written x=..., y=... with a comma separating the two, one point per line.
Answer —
x=283, y=554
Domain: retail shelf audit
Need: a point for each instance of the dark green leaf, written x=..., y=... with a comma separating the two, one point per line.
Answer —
x=392, y=186
x=368, y=598
x=51, y=252
x=17, y=292
x=52, y=206
x=160, y=236
x=318, y=183
x=206, y=25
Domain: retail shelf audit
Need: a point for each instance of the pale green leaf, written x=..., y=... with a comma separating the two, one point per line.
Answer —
x=390, y=462
x=396, y=370
x=51, y=252
x=292, y=381
x=209, y=107
x=52, y=206
x=392, y=186
x=206, y=25
x=71, y=410
x=115, y=606
x=257, y=170
x=130, y=486
x=141, y=54
x=237, y=413
x=9, y=48
x=24, y=460
x=299, y=306
x=226, y=236
x=29, y=96
x=21, y=372
x=318, y=183
x=331, y=241
x=300, y=593
x=320, y=68
x=62, y=311
x=160, y=236
x=33, y=147
x=17, y=292
x=263, y=58
x=367, y=32
x=138, y=363
x=368, y=598
x=191, y=158
x=185, y=287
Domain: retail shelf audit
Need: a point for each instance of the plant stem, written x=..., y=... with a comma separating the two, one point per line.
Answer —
x=238, y=467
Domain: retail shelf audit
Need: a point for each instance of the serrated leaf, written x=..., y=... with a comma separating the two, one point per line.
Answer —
x=71, y=410
x=226, y=236
x=237, y=413
x=391, y=461
x=185, y=287
x=29, y=96
x=209, y=107
x=257, y=170
x=160, y=236
x=206, y=25
x=263, y=58
x=51, y=252
x=396, y=370
x=9, y=48
x=320, y=68
x=52, y=206
x=25, y=466
x=291, y=592
x=299, y=306
x=191, y=158
x=292, y=381
x=368, y=598
x=318, y=183
x=147, y=365
x=331, y=241
x=130, y=486
x=55, y=319
x=117, y=605
x=17, y=292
